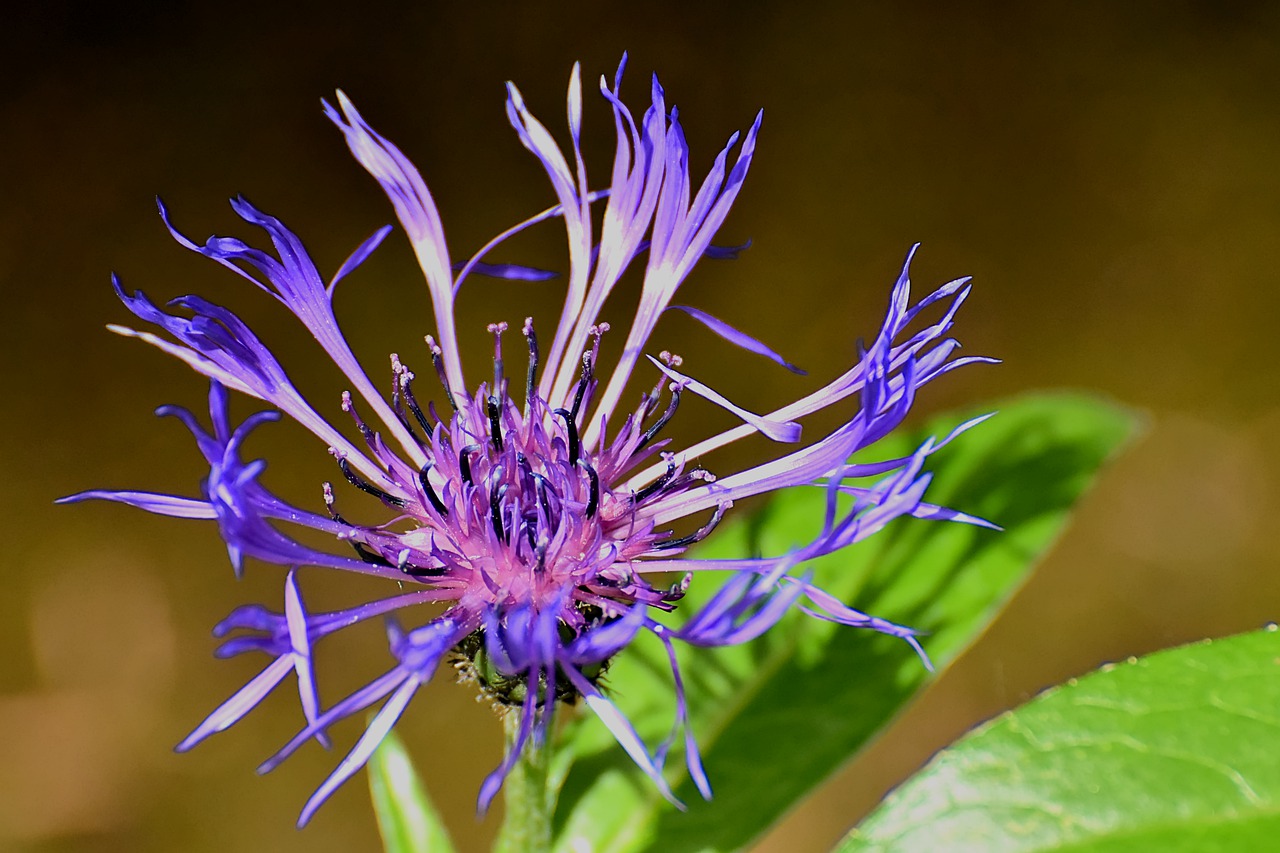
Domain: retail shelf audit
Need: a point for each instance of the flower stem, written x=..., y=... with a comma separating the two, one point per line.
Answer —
x=530, y=801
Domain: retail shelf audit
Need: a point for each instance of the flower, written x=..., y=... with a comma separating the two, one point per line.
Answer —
x=533, y=507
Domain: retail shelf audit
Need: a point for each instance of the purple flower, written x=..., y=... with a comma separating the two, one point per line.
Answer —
x=532, y=504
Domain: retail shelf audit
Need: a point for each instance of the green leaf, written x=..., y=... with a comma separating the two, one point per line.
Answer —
x=777, y=716
x=1177, y=751
x=407, y=820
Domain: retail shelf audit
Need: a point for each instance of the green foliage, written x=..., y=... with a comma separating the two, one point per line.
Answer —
x=777, y=716
x=1173, y=752
x=407, y=820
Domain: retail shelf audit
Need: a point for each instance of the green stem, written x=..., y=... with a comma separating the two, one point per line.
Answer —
x=530, y=802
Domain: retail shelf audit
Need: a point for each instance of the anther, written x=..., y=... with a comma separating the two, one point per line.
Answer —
x=438, y=361
x=430, y=492
x=354, y=479
x=350, y=408
x=464, y=463
x=540, y=486
x=495, y=511
x=593, y=500
x=496, y=329
x=571, y=427
x=664, y=420
x=656, y=486
x=532, y=375
x=700, y=474
x=495, y=425
x=679, y=589
x=697, y=536
x=526, y=470
x=541, y=551
x=406, y=389
x=398, y=399
x=363, y=552
x=423, y=571
x=582, y=384
x=329, y=503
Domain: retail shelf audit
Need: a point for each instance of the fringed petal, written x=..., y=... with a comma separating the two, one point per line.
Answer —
x=416, y=210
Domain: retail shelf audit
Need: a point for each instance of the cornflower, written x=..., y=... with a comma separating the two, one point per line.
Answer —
x=534, y=509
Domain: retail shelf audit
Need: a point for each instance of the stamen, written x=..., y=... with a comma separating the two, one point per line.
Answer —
x=329, y=503
x=496, y=329
x=495, y=511
x=582, y=384
x=597, y=331
x=354, y=479
x=664, y=420
x=679, y=589
x=526, y=470
x=531, y=377
x=437, y=360
x=541, y=551
x=464, y=463
x=586, y=386
x=701, y=474
x=361, y=551
x=350, y=408
x=594, y=500
x=540, y=486
x=398, y=406
x=571, y=427
x=495, y=426
x=397, y=403
x=406, y=388
x=697, y=536
x=422, y=571
x=430, y=492
x=657, y=485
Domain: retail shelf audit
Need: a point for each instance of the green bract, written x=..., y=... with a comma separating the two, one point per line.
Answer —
x=407, y=820
x=1176, y=751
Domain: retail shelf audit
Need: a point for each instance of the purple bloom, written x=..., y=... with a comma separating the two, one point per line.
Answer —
x=534, y=506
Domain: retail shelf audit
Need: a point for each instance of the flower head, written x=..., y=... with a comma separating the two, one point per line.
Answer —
x=533, y=505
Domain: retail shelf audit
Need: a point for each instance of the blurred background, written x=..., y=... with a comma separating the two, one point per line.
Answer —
x=1108, y=173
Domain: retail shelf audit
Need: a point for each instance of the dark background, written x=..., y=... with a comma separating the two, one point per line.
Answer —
x=1107, y=172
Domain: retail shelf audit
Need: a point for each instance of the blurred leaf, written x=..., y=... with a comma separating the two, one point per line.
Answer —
x=777, y=716
x=407, y=820
x=1176, y=751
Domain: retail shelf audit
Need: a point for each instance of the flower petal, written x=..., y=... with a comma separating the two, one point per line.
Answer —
x=735, y=337
x=241, y=702
x=785, y=431
x=150, y=501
